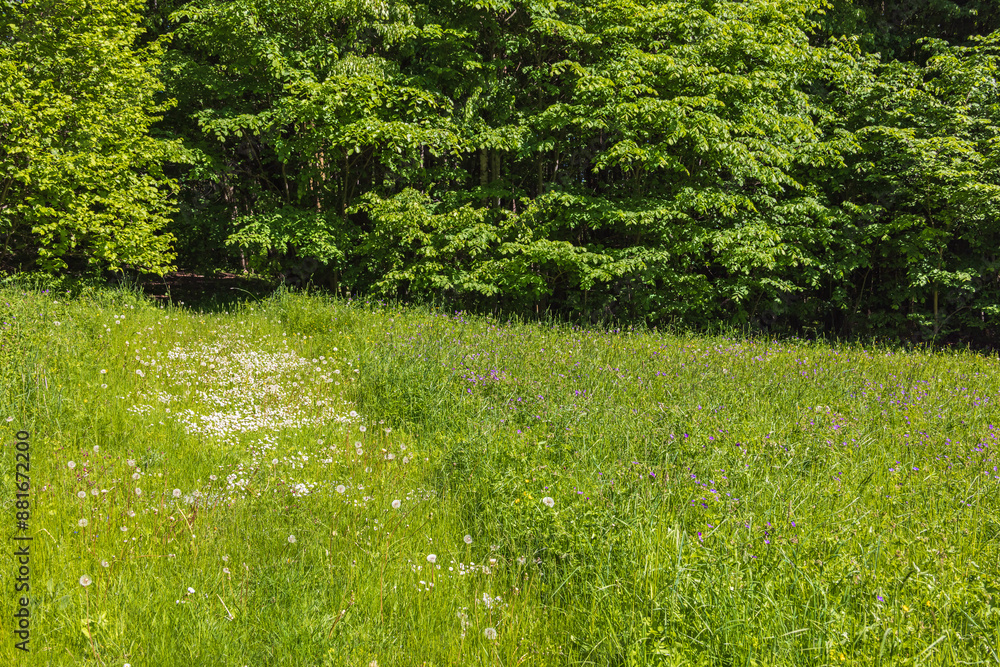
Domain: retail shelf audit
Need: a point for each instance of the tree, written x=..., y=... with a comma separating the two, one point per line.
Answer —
x=81, y=179
x=924, y=188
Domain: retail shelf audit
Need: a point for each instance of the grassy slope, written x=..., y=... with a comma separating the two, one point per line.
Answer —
x=716, y=501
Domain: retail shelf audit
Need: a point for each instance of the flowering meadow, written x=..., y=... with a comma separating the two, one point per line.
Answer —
x=307, y=481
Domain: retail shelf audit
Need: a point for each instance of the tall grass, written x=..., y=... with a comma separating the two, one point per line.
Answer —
x=708, y=500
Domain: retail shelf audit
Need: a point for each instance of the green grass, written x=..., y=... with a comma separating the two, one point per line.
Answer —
x=716, y=501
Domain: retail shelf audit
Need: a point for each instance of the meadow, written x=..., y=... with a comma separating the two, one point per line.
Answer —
x=299, y=480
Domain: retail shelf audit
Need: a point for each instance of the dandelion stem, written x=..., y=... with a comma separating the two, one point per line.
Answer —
x=343, y=612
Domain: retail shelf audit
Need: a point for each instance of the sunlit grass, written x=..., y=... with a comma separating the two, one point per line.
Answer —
x=465, y=491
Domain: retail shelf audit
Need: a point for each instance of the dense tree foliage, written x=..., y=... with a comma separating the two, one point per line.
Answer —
x=923, y=188
x=894, y=28
x=81, y=180
x=792, y=164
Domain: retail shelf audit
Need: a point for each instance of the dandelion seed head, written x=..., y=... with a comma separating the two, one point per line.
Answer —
x=547, y=500
x=86, y=581
x=82, y=523
x=177, y=493
x=71, y=465
x=341, y=488
x=468, y=539
x=291, y=539
x=432, y=558
x=82, y=494
x=490, y=633
x=396, y=504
